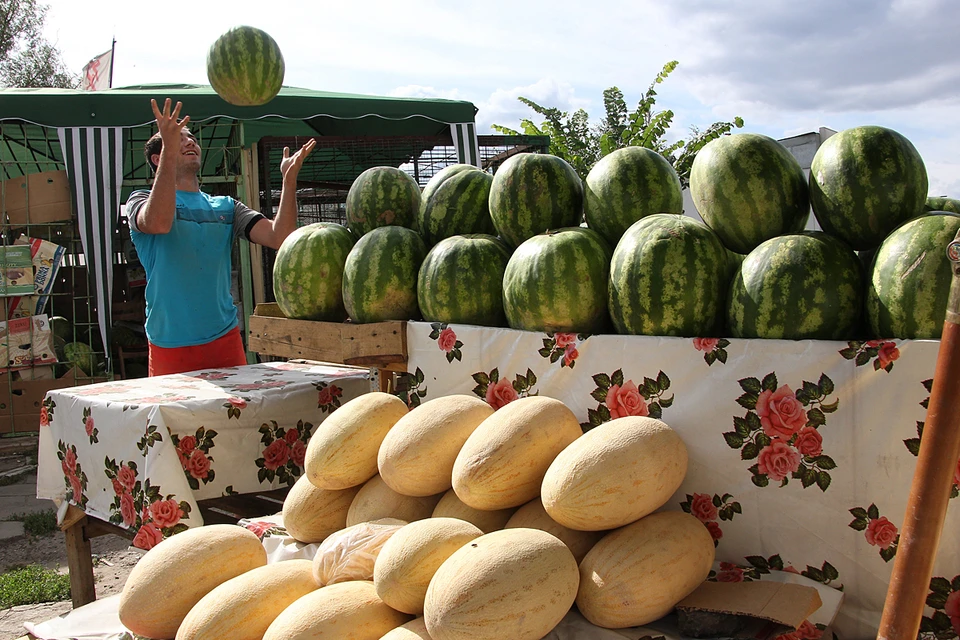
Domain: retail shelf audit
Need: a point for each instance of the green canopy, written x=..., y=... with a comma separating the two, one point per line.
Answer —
x=315, y=112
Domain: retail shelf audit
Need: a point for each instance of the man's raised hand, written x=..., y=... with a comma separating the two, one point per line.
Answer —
x=167, y=122
x=295, y=161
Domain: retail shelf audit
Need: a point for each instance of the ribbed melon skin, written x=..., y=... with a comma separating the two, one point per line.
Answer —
x=910, y=279
x=245, y=66
x=458, y=206
x=637, y=574
x=380, y=275
x=940, y=203
x=806, y=286
x=627, y=185
x=461, y=281
x=382, y=196
x=533, y=193
x=308, y=272
x=557, y=281
x=748, y=188
x=864, y=182
x=669, y=277
x=515, y=583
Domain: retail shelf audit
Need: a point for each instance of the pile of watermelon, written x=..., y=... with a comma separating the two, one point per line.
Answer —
x=534, y=247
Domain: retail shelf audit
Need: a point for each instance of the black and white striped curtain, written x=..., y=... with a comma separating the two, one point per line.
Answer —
x=465, y=142
x=94, y=159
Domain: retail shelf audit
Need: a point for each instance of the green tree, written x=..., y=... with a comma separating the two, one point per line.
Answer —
x=574, y=139
x=26, y=58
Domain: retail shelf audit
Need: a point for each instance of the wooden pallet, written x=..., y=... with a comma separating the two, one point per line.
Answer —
x=79, y=528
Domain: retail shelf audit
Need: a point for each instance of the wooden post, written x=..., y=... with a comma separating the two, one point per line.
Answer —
x=80, y=563
x=932, y=481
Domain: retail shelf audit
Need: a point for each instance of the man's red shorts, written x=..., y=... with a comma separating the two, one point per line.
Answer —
x=225, y=351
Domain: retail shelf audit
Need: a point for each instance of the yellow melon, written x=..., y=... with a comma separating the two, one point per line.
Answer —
x=502, y=463
x=156, y=598
x=638, y=573
x=533, y=516
x=417, y=455
x=515, y=583
x=414, y=630
x=311, y=514
x=450, y=506
x=242, y=608
x=409, y=559
x=343, y=451
x=376, y=500
x=350, y=554
x=345, y=611
x=615, y=474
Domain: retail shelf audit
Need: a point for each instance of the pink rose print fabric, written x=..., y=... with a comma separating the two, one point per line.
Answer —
x=447, y=341
x=877, y=530
x=620, y=397
x=781, y=431
x=913, y=444
x=883, y=353
x=710, y=510
x=411, y=388
x=944, y=601
x=562, y=348
x=501, y=392
x=73, y=474
x=141, y=506
x=714, y=349
x=283, y=452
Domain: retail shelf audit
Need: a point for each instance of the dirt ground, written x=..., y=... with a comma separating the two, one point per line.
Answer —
x=114, y=558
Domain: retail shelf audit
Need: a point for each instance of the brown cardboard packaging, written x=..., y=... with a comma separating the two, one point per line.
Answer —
x=755, y=609
x=37, y=198
x=20, y=400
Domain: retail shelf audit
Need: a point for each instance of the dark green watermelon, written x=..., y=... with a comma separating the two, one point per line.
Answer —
x=533, y=193
x=308, y=272
x=627, y=185
x=458, y=206
x=910, y=279
x=748, y=188
x=942, y=203
x=669, y=277
x=800, y=286
x=557, y=281
x=380, y=275
x=382, y=196
x=864, y=183
x=245, y=66
x=461, y=281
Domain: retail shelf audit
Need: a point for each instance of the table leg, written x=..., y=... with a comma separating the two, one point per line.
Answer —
x=80, y=564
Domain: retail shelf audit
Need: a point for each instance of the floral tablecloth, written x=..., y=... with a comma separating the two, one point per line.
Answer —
x=801, y=452
x=141, y=453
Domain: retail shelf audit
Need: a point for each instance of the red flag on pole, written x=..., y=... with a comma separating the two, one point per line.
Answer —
x=97, y=72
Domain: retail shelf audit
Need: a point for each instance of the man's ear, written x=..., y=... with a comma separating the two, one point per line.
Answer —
x=155, y=158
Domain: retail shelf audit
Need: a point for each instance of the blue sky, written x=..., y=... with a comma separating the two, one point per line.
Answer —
x=785, y=67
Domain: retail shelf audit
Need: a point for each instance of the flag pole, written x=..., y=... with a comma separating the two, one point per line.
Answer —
x=113, y=47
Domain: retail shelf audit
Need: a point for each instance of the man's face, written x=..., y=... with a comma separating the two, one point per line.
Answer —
x=189, y=151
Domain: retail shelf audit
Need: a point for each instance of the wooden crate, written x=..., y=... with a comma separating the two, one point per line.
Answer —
x=380, y=344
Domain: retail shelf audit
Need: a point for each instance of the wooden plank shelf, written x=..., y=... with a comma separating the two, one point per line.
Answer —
x=379, y=344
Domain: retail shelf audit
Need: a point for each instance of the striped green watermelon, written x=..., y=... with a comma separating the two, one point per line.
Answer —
x=308, y=272
x=557, y=281
x=864, y=183
x=669, y=277
x=245, y=67
x=380, y=275
x=748, y=188
x=807, y=285
x=910, y=280
x=942, y=203
x=461, y=281
x=533, y=193
x=627, y=185
x=382, y=196
x=439, y=178
x=459, y=206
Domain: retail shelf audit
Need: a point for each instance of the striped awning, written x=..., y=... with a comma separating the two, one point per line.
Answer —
x=94, y=159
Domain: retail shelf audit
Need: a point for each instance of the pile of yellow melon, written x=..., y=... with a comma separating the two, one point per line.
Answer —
x=449, y=522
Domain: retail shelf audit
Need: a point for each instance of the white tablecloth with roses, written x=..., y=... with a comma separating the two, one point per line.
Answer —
x=141, y=453
x=801, y=452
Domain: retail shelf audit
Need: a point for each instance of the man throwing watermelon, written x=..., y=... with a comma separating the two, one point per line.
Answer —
x=184, y=238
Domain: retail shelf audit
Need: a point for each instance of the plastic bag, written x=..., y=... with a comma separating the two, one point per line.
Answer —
x=351, y=553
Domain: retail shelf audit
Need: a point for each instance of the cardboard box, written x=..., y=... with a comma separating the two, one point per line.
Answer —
x=16, y=271
x=20, y=400
x=758, y=609
x=37, y=198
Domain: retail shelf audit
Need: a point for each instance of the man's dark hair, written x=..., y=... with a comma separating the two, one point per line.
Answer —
x=154, y=146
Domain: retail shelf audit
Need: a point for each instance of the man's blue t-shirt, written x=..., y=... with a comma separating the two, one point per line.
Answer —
x=188, y=269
